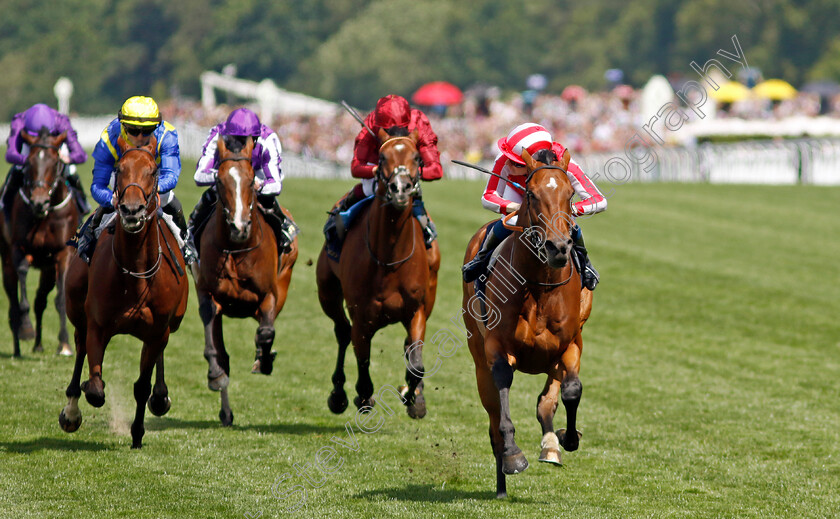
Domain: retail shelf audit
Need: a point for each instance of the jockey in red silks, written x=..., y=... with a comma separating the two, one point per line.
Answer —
x=504, y=198
x=394, y=115
x=32, y=121
x=240, y=125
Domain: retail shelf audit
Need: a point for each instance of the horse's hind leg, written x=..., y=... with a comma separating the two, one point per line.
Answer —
x=45, y=286
x=570, y=392
x=513, y=461
x=61, y=304
x=331, y=298
x=546, y=407
x=264, y=339
x=143, y=387
x=25, y=330
x=71, y=417
x=159, y=402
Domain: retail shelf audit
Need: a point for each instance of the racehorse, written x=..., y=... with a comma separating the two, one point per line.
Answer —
x=239, y=273
x=135, y=285
x=530, y=317
x=385, y=275
x=42, y=218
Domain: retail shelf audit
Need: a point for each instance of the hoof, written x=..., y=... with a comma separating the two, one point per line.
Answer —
x=68, y=425
x=137, y=445
x=337, y=402
x=26, y=332
x=94, y=396
x=569, y=442
x=550, y=456
x=226, y=419
x=417, y=409
x=370, y=402
x=159, y=405
x=514, y=464
x=264, y=364
x=219, y=383
x=501, y=495
x=38, y=348
x=64, y=350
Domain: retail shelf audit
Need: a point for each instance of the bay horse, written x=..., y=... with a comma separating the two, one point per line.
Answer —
x=42, y=218
x=531, y=317
x=239, y=273
x=385, y=274
x=135, y=285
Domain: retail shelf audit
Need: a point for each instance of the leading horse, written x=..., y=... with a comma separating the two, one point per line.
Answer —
x=240, y=273
x=385, y=275
x=42, y=218
x=135, y=284
x=529, y=316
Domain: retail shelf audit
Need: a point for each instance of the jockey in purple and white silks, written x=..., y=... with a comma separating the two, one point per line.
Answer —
x=240, y=125
x=31, y=121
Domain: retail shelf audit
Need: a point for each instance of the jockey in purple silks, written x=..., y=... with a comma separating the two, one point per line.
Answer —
x=32, y=121
x=241, y=125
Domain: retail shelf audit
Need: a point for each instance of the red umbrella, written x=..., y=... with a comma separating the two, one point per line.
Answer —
x=438, y=93
x=624, y=92
x=573, y=93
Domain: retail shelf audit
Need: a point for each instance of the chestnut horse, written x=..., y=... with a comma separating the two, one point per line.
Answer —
x=385, y=274
x=42, y=218
x=239, y=273
x=135, y=285
x=531, y=317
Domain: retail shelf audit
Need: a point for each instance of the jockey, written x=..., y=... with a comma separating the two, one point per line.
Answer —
x=395, y=116
x=137, y=121
x=31, y=121
x=504, y=198
x=265, y=159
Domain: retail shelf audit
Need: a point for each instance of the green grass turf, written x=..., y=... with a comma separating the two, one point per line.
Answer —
x=710, y=376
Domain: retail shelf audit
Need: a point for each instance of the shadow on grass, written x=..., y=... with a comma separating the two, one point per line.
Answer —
x=52, y=444
x=430, y=494
x=165, y=423
x=23, y=356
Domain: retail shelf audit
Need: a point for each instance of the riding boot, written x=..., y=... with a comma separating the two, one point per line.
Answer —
x=589, y=275
x=473, y=269
x=337, y=223
x=175, y=210
x=284, y=229
x=201, y=214
x=429, y=229
x=79, y=196
x=85, y=238
x=14, y=179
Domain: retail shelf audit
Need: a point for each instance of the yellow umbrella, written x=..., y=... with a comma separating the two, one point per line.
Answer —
x=730, y=92
x=775, y=89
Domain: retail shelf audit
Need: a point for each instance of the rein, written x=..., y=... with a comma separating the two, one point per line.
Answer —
x=395, y=263
x=145, y=274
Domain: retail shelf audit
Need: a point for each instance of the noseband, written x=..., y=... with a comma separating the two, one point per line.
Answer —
x=30, y=185
x=400, y=170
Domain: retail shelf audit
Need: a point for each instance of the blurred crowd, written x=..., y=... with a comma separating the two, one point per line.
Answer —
x=582, y=121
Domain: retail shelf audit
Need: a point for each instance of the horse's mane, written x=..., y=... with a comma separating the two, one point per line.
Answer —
x=397, y=131
x=235, y=143
x=43, y=133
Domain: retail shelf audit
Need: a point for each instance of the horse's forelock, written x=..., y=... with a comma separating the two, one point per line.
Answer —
x=546, y=156
x=397, y=131
x=235, y=143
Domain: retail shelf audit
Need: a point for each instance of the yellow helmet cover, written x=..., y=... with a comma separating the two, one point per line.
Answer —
x=140, y=111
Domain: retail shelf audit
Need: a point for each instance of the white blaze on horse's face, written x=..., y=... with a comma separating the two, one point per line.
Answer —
x=552, y=183
x=239, y=207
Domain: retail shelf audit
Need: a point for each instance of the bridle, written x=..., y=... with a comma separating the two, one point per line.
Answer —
x=148, y=198
x=227, y=213
x=400, y=170
x=30, y=185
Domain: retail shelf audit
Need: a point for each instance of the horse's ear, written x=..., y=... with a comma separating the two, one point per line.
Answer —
x=28, y=139
x=564, y=160
x=529, y=160
x=152, y=146
x=382, y=135
x=59, y=139
x=249, y=146
x=221, y=146
x=414, y=135
x=121, y=144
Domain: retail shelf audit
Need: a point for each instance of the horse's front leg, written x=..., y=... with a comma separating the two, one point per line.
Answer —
x=25, y=330
x=546, y=407
x=414, y=399
x=264, y=339
x=62, y=263
x=570, y=392
x=45, y=285
x=152, y=351
x=513, y=461
x=10, y=285
x=96, y=340
x=71, y=417
x=159, y=402
x=361, y=337
x=211, y=318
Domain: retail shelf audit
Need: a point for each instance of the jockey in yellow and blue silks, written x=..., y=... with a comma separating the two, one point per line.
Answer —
x=138, y=120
